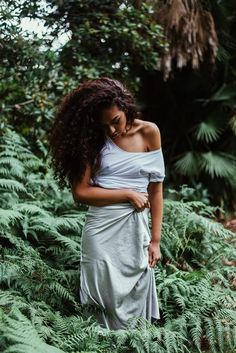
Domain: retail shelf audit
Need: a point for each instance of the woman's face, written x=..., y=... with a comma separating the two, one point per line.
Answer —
x=114, y=121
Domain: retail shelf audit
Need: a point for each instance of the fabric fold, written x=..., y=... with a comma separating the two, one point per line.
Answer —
x=121, y=169
x=114, y=265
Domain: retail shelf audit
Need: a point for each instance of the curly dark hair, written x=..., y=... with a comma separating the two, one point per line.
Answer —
x=77, y=135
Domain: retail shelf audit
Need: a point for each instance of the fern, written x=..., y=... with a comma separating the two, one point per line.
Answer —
x=41, y=231
x=11, y=166
x=12, y=185
x=22, y=333
x=8, y=217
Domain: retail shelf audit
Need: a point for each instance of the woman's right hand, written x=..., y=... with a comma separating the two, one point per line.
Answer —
x=139, y=200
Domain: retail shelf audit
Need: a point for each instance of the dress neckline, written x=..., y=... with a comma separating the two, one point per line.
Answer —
x=120, y=149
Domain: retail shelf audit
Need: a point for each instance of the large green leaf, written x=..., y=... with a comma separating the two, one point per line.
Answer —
x=188, y=164
x=216, y=164
x=208, y=131
x=226, y=92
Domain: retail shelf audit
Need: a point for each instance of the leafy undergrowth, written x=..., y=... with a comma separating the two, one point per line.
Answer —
x=39, y=277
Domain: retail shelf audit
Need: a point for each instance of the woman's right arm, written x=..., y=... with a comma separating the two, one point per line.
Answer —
x=97, y=196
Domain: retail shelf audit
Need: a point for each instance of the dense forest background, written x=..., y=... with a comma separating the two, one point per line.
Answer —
x=178, y=58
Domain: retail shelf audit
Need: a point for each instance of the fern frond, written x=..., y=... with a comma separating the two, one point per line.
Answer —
x=11, y=166
x=25, y=339
x=30, y=209
x=8, y=298
x=61, y=291
x=12, y=185
x=196, y=330
x=8, y=217
x=210, y=333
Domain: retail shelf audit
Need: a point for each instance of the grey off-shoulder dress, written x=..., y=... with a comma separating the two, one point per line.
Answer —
x=114, y=272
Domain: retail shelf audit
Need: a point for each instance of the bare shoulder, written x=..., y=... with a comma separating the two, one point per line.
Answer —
x=152, y=135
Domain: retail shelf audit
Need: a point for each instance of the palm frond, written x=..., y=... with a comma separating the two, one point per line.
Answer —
x=207, y=131
x=217, y=165
x=188, y=164
x=225, y=92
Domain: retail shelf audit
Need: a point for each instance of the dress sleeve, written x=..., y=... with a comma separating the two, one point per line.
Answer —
x=157, y=167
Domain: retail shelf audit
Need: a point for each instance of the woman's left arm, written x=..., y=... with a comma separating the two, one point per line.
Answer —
x=155, y=191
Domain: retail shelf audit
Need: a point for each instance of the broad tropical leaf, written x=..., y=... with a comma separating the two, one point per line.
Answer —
x=188, y=164
x=207, y=131
x=217, y=165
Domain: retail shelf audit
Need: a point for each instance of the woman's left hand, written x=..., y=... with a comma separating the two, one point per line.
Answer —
x=154, y=253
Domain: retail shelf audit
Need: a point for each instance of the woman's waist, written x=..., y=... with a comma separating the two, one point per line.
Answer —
x=113, y=206
x=122, y=208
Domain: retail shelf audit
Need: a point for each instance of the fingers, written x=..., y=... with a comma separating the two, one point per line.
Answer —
x=152, y=260
x=140, y=209
x=144, y=205
x=152, y=263
x=142, y=201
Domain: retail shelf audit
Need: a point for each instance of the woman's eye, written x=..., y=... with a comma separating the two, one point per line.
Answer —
x=117, y=121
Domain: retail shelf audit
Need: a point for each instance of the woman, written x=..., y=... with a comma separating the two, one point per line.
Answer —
x=113, y=162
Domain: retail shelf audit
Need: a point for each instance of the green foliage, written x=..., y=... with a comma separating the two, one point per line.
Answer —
x=39, y=272
x=40, y=226
x=186, y=193
x=212, y=163
x=207, y=131
x=112, y=40
x=34, y=76
x=123, y=40
x=20, y=330
x=195, y=110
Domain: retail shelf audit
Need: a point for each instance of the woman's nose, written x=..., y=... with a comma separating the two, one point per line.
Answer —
x=112, y=130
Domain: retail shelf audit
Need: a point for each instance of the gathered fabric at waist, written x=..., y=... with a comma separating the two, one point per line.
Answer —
x=118, y=206
x=116, y=227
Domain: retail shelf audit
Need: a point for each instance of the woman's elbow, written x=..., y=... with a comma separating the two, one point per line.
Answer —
x=79, y=195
